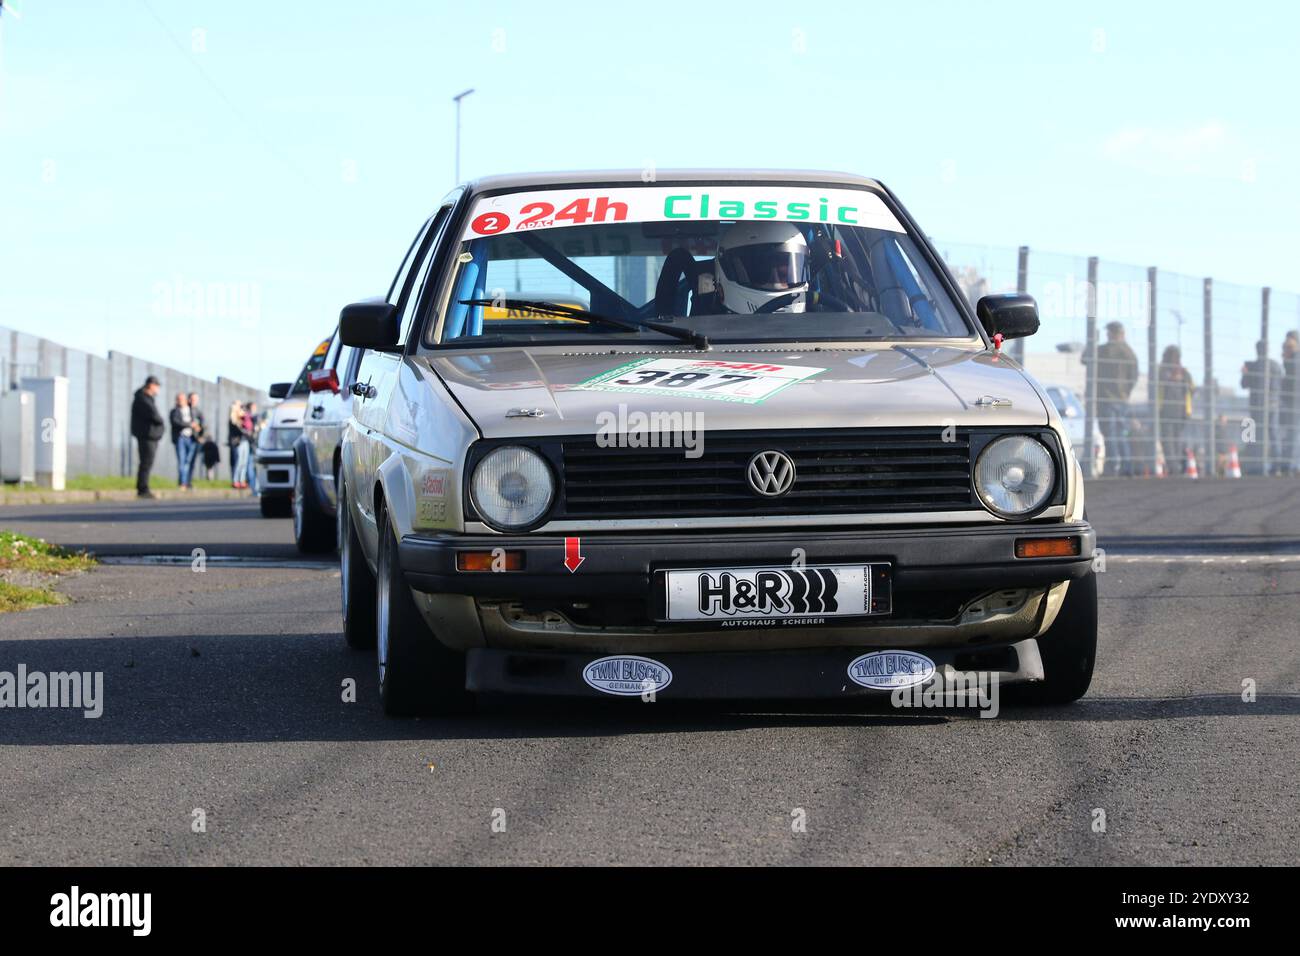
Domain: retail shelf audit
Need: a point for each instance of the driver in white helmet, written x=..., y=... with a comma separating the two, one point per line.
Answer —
x=759, y=263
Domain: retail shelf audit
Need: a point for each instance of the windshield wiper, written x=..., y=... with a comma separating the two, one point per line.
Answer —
x=698, y=339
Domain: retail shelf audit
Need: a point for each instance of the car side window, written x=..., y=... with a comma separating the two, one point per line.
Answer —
x=339, y=358
x=399, y=280
x=414, y=295
x=346, y=367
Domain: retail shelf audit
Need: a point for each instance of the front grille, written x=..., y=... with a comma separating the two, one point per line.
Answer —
x=840, y=472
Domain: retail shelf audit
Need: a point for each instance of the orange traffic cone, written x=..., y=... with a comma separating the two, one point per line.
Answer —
x=1161, y=469
x=1234, y=464
x=1191, y=465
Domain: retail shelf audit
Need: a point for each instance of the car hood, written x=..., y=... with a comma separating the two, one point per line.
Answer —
x=870, y=386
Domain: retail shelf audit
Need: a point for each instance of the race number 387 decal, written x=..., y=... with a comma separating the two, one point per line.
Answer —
x=746, y=382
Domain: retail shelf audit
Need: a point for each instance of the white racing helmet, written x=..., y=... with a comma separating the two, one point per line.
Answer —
x=761, y=261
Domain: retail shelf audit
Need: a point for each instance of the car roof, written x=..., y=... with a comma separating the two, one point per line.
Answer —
x=636, y=177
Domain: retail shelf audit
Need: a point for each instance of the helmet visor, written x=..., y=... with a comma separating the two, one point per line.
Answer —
x=771, y=267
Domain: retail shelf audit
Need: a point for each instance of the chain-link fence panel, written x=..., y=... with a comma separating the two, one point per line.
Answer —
x=981, y=270
x=1245, y=384
x=1180, y=410
x=1284, y=330
x=1164, y=371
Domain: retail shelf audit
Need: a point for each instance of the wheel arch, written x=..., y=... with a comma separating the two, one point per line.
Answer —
x=394, y=493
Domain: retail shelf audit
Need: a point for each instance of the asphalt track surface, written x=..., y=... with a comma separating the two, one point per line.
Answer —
x=223, y=693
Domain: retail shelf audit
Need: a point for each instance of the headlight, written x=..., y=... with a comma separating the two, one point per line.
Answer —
x=279, y=439
x=1014, y=475
x=512, y=487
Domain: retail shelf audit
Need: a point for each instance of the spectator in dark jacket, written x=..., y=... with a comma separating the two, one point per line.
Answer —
x=1116, y=374
x=147, y=427
x=1174, y=394
x=1288, y=414
x=1262, y=378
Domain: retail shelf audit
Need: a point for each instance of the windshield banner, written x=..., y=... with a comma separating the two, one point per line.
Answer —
x=556, y=208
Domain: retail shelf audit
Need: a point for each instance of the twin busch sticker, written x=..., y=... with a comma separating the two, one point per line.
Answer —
x=746, y=382
x=625, y=676
x=889, y=670
x=558, y=208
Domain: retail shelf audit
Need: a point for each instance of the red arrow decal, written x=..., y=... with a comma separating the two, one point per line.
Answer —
x=573, y=553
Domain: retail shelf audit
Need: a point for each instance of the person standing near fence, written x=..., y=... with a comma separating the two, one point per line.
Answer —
x=147, y=427
x=200, y=425
x=250, y=432
x=182, y=423
x=1174, y=388
x=1116, y=374
x=238, y=442
x=1265, y=404
x=1287, y=417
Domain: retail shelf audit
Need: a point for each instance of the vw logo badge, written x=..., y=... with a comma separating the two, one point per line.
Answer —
x=771, y=473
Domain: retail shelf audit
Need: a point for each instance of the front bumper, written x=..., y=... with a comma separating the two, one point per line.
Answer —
x=949, y=587
x=625, y=565
x=775, y=675
x=275, y=473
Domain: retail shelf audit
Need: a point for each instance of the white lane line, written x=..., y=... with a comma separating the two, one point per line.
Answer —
x=1112, y=558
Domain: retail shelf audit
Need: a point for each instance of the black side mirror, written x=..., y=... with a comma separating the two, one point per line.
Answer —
x=280, y=389
x=371, y=324
x=1013, y=315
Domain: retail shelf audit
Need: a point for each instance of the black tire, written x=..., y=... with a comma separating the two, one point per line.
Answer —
x=313, y=529
x=358, y=590
x=418, y=674
x=274, y=507
x=1068, y=649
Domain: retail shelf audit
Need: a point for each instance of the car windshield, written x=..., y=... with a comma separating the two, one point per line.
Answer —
x=734, y=262
x=302, y=386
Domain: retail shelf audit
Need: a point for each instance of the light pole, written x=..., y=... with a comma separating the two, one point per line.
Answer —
x=457, y=100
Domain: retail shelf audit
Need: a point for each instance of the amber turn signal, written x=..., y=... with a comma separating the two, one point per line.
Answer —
x=497, y=560
x=1047, y=547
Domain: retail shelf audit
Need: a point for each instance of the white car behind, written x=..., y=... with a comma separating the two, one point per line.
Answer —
x=1074, y=418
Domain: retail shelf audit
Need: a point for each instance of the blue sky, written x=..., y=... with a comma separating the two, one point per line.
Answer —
x=280, y=156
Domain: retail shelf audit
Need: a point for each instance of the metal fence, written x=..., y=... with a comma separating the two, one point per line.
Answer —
x=100, y=390
x=1169, y=374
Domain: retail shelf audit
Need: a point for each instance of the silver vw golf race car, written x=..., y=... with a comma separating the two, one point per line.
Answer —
x=723, y=434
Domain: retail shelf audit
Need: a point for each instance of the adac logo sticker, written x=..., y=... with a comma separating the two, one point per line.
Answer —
x=626, y=676
x=888, y=670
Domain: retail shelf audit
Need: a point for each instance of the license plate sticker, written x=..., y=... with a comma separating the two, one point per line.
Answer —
x=735, y=594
